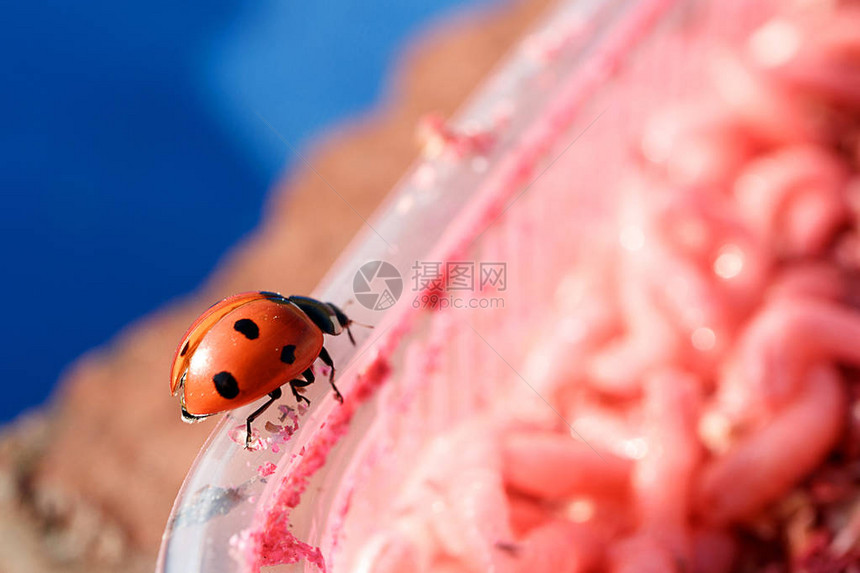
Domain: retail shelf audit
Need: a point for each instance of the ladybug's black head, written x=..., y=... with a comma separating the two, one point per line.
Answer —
x=343, y=320
x=327, y=316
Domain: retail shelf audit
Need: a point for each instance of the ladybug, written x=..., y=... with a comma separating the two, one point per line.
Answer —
x=249, y=345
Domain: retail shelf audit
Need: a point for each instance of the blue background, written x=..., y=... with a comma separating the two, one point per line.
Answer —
x=131, y=155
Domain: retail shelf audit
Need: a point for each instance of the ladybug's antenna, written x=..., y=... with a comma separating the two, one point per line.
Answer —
x=346, y=322
x=349, y=332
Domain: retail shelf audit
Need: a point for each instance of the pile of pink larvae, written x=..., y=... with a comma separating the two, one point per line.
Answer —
x=711, y=432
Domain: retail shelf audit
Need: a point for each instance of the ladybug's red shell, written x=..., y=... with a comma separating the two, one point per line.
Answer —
x=240, y=350
x=199, y=327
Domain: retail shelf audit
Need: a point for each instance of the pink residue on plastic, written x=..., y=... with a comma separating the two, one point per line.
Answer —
x=270, y=542
x=288, y=549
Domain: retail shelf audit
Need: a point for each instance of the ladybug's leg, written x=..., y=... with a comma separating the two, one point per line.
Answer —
x=297, y=383
x=273, y=395
x=324, y=356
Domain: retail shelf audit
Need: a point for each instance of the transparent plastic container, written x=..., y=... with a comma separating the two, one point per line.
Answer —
x=558, y=93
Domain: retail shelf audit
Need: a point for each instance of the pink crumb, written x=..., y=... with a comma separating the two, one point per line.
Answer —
x=437, y=138
x=266, y=469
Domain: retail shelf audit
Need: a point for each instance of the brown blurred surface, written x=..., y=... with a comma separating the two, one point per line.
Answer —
x=87, y=483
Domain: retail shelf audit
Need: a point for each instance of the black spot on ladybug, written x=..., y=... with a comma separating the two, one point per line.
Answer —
x=226, y=385
x=184, y=349
x=247, y=327
x=288, y=354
